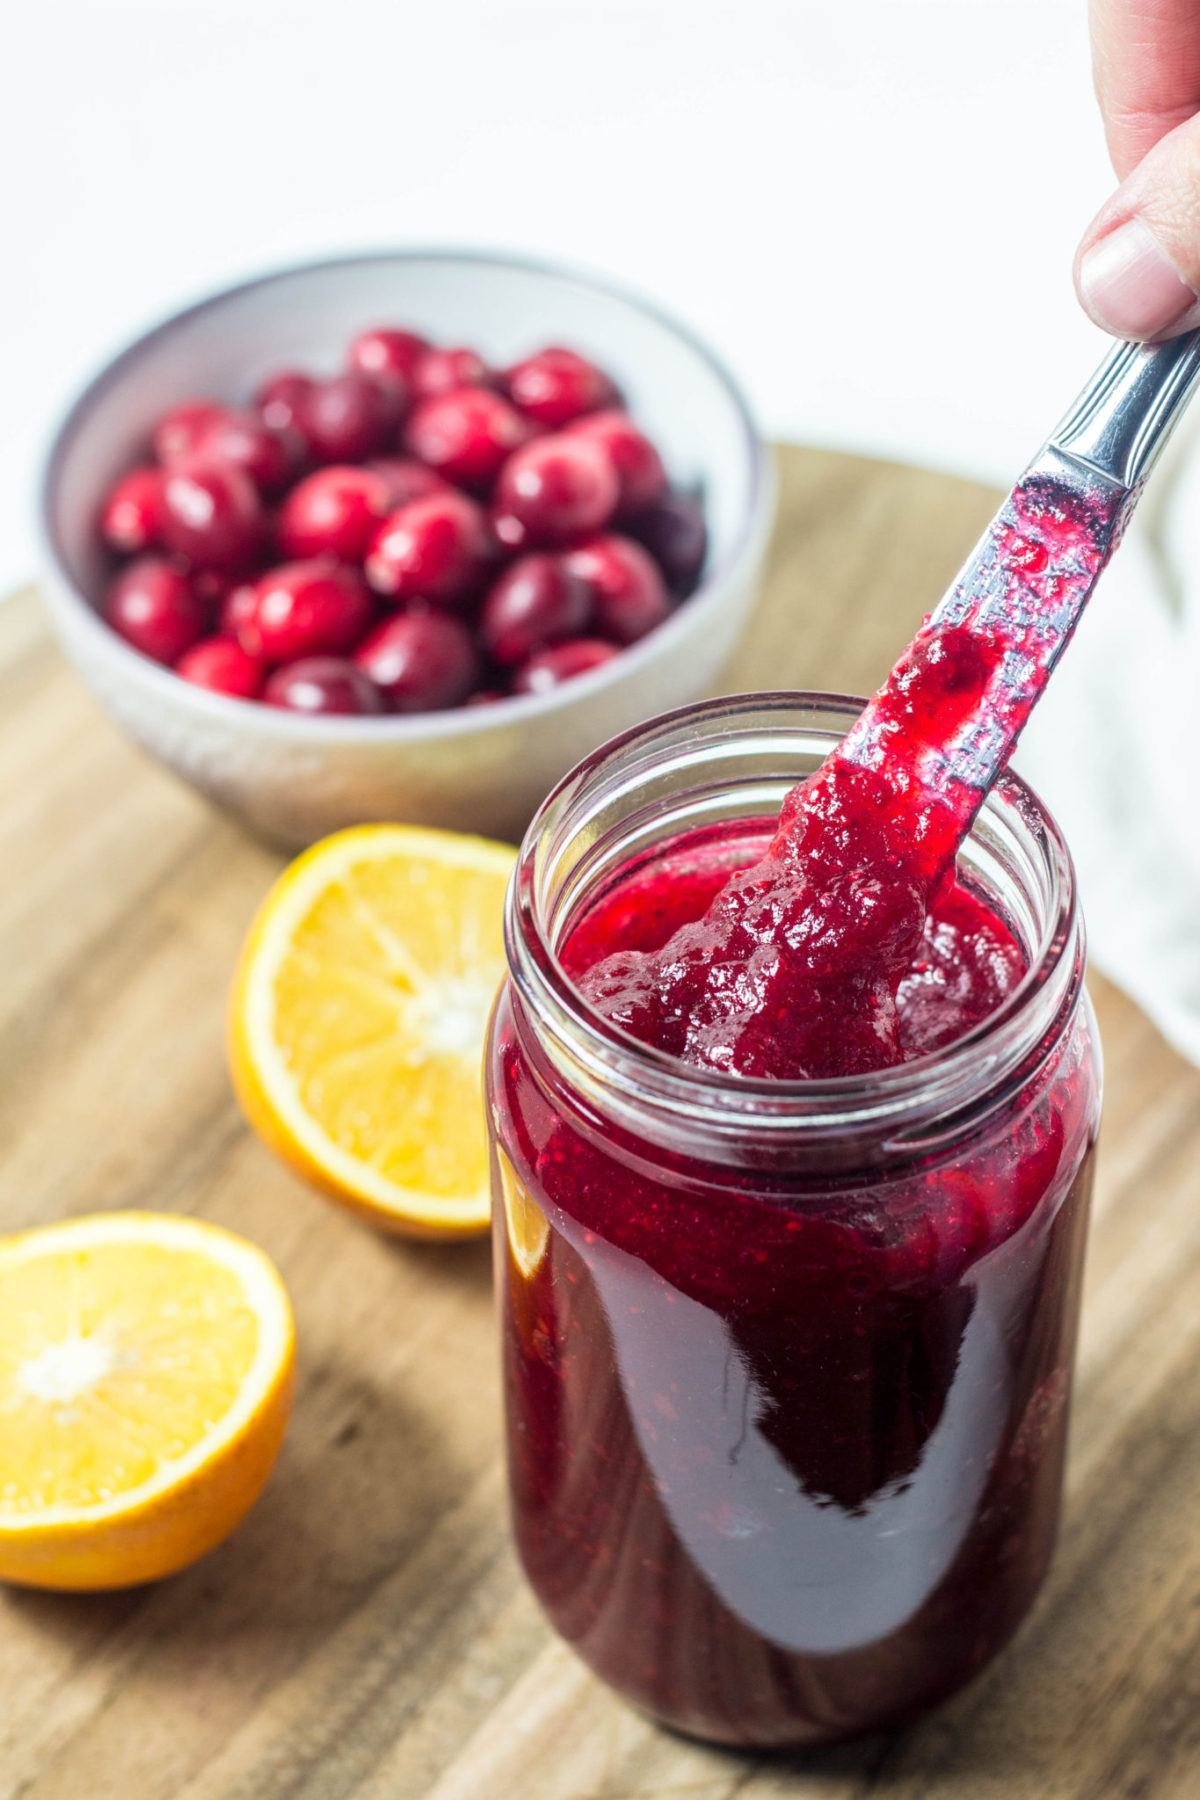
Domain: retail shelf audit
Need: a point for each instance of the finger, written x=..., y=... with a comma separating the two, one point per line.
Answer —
x=1146, y=61
x=1137, y=272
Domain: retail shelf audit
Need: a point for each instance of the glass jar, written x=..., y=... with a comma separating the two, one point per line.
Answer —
x=787, y=1363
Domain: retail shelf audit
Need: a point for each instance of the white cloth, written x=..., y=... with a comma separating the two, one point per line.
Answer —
x=1113, y=748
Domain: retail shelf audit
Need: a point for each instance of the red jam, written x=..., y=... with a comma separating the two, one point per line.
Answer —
x=948, y=970
x=786, y=1438
x=786, y=1429
x=795, y=965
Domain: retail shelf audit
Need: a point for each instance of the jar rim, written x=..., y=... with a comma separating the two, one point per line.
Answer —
x=905, y=1098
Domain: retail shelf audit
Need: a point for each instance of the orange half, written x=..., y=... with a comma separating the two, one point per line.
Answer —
x=358, y=1017
x=145, y=1384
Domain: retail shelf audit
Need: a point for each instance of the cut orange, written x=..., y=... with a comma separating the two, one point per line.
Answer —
x=525, y=1224
x=145, y=1384
x=358, y=1017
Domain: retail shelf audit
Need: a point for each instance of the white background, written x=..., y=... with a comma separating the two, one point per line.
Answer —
x=868, y=206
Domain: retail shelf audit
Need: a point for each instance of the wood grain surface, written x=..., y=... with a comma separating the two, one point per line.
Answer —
x=367, y=1633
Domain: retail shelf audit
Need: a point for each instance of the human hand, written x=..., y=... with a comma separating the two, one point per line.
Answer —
x=1137, y=270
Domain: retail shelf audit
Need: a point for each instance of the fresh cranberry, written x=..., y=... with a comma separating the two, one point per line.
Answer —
x=625, y=585
x=323, y=684
x=676, y=536
x=537, y=601
x=178, y=433
x=131, y=519
x=212, y=515
x=269, y=457
x=508, y=531
x=237, y=612
x=313, y=608
x=441, y=371
x=640, y=473
x=562, y=662
x=220, y=664
x=437, y=549
x=351, y=416
x=422, y=661
x=334, y=512
x=282, y=399
x=465, y=435
x=388, y=351
x=152, y=606
x=557, y=385
x=485, y=697
x=558, y=487
x=407, y=480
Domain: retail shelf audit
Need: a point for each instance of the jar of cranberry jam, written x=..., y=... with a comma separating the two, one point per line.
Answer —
x=787, y=1362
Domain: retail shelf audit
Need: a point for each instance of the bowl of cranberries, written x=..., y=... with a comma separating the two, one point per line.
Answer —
x=402, y=537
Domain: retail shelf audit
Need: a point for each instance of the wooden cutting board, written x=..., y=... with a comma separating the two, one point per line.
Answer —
x=367, y=1632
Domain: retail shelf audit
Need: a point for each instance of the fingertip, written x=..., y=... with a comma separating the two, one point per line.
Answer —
x=1127, y=284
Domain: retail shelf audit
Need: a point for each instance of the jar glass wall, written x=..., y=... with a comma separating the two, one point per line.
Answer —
x=787, y=1364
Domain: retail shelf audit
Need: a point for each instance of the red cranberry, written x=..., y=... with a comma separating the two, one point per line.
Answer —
x=625, y=584
x=537, y=601
x=407, y=480
x=223, y=666
x=178, y=432
x=269, y=457
x=640, y=473
x=281, y=401
x=676, y=536
x=441, y=371
x=558, y=486
x=486, y=697
x=465, y=435
x=311, y=608
x=422, y=661
x=334, y=512
x=435, y=549
x=323, y=684
x=387, y=351
x=351, y=416
x=237, y=612
x=509, y=532
x=212, y=515
x=152, y=606
x=557, y=385
x=131, y=519
x=562, y=662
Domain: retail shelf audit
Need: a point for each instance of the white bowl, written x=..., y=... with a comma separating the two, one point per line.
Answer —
x=292, y=778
